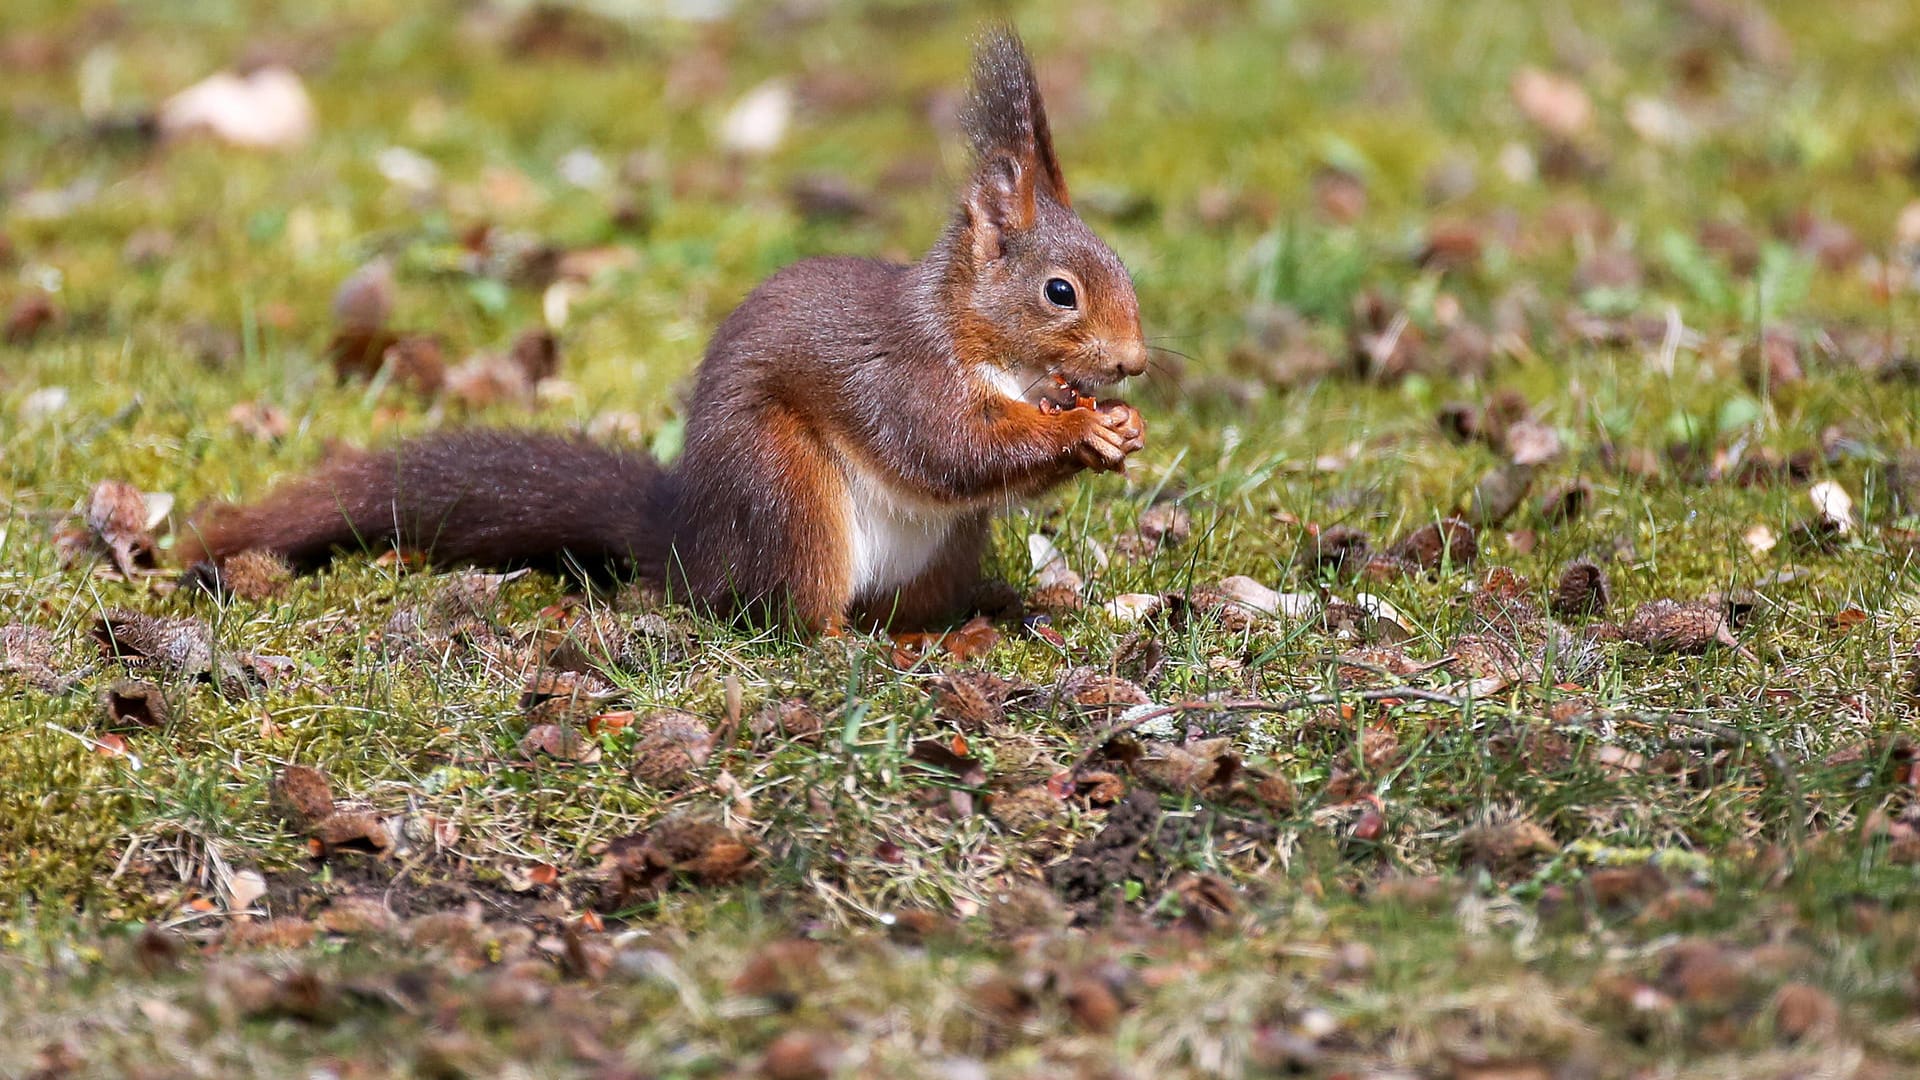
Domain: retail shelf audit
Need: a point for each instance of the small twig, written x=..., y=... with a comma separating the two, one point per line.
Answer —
x=132, y=759
x=1334, y=660
x=1257, y=705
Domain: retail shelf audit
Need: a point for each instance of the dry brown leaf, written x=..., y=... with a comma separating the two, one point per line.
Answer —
x=972, y=701
x=1342, y=548
x=1196, y=768
x=259, y=421
x=1450, y=542
x=357, y=915
x=585, y=688
x=1451, y=245
x=1581, y=591
x=1529, y=442
x=1609, y=268
x=1501, y=1069
x=1095, y=690
x=1704, y=974
x=119, y=520
x=1056, y=597
x=1274, y=793
x=1234, y=604
x=30, y=314
x=1498, y=494
x=1376, y=664
x=1566, y=502
x=1340, y=195
x=1847, y=618
x=1802, y=1012
x=486, y=379
x=1620, y=886
x=364, y=301
x=416, y=362
x=1208, y=902
x=801, y=1055
x=1620, y=760
x=30, y=652
x=976, y=638
x=796, y=718
x=255, y=574
x=783, y=971
x=1090, y=1002
x=1366, y=619
x=354, y=830
x=558, y=742
x=1166, y=523
x=179, y=648
x=1506, y=848
x=1671, y=626
x=134, y=703
x=826, y=196
x=584, y=265
x=607, y=722
x=1025, y=809
x=641, y=865
x=1371, y=824
x=1772, y=363
x=536, y=353
x=302, y=795
x=280, y=933
x=267, y=108
x=671, y=745
x=1554, y=103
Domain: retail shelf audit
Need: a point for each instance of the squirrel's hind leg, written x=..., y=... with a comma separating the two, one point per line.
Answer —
x=776, y=550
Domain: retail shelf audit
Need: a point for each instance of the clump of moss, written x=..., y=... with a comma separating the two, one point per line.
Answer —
x=61, y=819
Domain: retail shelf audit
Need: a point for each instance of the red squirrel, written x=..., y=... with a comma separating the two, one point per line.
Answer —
x=852, y=428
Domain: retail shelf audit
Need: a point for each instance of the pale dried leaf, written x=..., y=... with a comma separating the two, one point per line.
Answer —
x=266, y=109
x=758, y=122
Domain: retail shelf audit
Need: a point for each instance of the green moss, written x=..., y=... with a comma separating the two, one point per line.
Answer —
x=1177, y=108
x=63, y=816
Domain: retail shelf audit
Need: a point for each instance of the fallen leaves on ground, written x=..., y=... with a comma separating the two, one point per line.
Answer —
x=266, y=109
x=177, y=648
x=33, y=656
x=670, y=745
x=976, y=638
x=118, y=520
x=639, y=866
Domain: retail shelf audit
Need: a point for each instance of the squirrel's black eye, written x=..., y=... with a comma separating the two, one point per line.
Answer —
x=1060, y=293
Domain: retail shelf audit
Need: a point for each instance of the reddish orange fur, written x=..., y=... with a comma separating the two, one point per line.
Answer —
x=839, y=390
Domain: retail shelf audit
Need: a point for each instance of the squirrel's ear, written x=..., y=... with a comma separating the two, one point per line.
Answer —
x=999, y=202
x=1004, y=114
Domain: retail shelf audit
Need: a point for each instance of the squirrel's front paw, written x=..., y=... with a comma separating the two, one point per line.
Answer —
x=1113, y=430
x=1125, y=421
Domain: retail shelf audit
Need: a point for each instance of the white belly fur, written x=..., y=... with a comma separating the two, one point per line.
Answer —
x=891, y=537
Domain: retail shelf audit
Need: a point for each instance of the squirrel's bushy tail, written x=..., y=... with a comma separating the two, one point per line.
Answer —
x=488, y=498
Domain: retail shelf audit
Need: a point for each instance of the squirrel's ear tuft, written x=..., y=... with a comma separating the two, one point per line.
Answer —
x=1004, y=116
x=999, y=201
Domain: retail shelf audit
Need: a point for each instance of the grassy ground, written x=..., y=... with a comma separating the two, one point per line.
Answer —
x=1681, y=239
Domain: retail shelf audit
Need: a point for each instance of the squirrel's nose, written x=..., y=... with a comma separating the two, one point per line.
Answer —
x=1132, y=361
